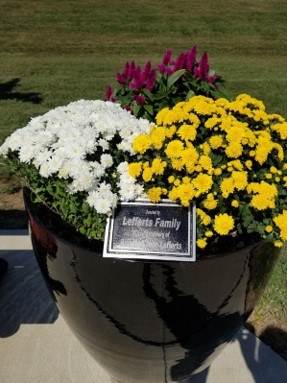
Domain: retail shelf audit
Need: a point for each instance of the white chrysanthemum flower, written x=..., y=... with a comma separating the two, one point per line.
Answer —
x=103, y=199
x=128, y=188
x=106, y=160
x=76, y=143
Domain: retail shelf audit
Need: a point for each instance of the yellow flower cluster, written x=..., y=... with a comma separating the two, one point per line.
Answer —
x=227, y=156
x=281, y=222
x=264, y=195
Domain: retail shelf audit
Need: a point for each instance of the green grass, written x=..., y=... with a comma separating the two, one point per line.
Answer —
x=272, y=306
x=71, y=49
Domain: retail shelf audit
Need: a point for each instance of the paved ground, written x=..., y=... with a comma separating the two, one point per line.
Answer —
x=36, y=346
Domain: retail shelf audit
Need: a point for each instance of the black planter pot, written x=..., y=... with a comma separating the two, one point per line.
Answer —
x=146, y=321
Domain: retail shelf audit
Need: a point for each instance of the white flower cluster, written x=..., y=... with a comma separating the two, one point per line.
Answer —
x=65, y=142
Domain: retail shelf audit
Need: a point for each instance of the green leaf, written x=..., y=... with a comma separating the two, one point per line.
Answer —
x=175, y=76
x=149, y=109
x=136, y=109
x=190, y=94
x=160, y=96
x=148, y=94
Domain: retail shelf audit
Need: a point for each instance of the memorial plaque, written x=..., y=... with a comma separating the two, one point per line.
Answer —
x=141, y=229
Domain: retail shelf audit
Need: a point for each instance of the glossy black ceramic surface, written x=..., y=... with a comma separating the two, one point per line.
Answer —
x=152, y=322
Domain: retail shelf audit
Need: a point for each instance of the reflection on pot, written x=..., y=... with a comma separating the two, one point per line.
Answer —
x=46, y=247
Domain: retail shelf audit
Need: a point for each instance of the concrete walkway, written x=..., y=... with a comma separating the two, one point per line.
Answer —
x=36, y=346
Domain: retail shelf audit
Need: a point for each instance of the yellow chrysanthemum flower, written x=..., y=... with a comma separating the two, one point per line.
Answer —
x=235, y=203
x=268, y=229
x=174, y=149
x=135, y=169
x=206, y=148
x=227, y=187
x=185, y=193
x=157, y=137
x=201, y=243
x=278, y=243
x=177, y=163
x=205, y=162
x=239, y=179
x=195, y=121
x=281, y=222
x=281, y=129
x=216, y=141
x=210, y=203
x=264, y=147
x=248, y=164
x=212, y=122
x=158, y=166
x=204, y=218
x=173, y=195
x=223, y=224
x=171, y=179
x=280, y=151
x=169, y=132
x=160, y=117
x=154, y=194
x=234, y=150
x=187, y=132
x=189, y=157
x=147, y=174
x=202, y=183
x=141, y=143
x=217, y=172
x=177, y=182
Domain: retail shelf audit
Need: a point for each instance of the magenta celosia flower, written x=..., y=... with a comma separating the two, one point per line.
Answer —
x=202, y=70
x=143, y=78
x=144, y=90
x=139, y=99
x=109, y=94
x=167, y=57
x=190, y=59
x=164, y=67
x=126, y=76
x=186, y=60
x=180, y=62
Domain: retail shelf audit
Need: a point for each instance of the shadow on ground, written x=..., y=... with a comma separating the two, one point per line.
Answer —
x=24, y=297
x=13, y=219
x=264, y=365
x=276, y=338
x=8, y=92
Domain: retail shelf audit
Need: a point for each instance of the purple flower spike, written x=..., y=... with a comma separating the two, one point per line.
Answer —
x=180, y=62
x=147, y=68
x=165, y=69
x=121, y=78
x=212, y=78
x=109, y=94
x=151, y=80
x=203, y=67
x=167, y=57
x=139, y=99
x=131, y=70
x=191, y=59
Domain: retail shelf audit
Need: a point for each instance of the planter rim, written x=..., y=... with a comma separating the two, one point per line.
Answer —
x=91, y=242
